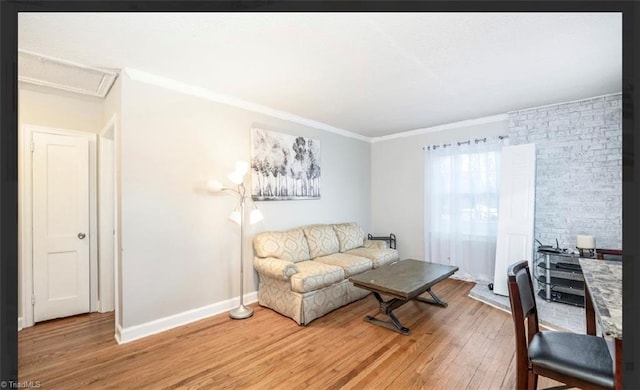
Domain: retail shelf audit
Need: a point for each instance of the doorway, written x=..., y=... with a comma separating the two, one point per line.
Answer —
x=59, y=272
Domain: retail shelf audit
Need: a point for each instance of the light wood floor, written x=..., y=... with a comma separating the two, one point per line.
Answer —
x=467, y=345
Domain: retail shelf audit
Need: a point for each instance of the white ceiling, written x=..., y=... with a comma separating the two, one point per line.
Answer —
x=372, y=74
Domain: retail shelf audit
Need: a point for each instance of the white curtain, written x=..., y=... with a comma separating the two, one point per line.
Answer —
x=461, y=206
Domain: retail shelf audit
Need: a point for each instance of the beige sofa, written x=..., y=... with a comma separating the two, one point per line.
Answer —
x=304, y=272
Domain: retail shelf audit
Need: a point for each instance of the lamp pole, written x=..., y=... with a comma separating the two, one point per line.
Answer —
x=241, y=311
x=237, y=177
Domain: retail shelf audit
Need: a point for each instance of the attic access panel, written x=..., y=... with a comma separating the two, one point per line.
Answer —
x=55, y=73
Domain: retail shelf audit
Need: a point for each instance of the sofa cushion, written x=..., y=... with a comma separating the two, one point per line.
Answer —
x=289, y=245
x=376, y=244
x=379, y=257
x=322, y=240
x=313, y=275
x=350, y=235
x=352, y=265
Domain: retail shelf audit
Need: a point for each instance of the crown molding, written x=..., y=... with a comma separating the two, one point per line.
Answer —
x=447, y=126
x=567, y=102
x=167, y=83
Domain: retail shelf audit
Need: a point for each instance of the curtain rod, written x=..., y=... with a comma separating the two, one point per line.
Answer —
x=467, y=142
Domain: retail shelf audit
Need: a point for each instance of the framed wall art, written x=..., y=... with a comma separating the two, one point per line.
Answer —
x=283, y=166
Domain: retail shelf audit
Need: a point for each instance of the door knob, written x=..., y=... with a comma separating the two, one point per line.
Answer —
x=81, y=235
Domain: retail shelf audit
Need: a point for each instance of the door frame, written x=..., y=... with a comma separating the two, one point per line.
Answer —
x=108, y=288
x=25, y=228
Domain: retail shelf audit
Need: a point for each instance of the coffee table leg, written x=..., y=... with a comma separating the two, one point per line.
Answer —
x=387, y=308
x=394, y=325
x=434, y=301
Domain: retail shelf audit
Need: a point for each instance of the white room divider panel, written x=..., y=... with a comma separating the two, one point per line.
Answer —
x=515, y=211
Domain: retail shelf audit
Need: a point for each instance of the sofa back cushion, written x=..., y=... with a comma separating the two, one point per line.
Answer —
x=350, y=235
x=290, y=245
x=322, y=240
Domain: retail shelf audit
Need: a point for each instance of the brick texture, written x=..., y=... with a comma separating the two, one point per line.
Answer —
x=579, y=169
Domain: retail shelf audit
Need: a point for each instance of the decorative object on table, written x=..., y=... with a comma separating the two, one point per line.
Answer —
x=586, y=245
x=284, y=167
x=238, y=216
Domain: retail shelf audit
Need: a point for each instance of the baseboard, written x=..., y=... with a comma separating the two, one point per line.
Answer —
x=118, y=334
x=131, y=333
x=20, y=323
x=490, y=304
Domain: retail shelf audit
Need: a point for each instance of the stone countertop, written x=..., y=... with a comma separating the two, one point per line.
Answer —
x=604, y=281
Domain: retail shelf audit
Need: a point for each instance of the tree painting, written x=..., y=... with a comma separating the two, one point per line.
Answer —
x=283, y=166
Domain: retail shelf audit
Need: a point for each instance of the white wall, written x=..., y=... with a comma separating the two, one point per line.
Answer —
x=579, y=168
x=397, y=170
x=179, y=250
x=54, y=108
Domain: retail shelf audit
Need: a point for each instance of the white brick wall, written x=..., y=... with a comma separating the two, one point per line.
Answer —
x=579, y=169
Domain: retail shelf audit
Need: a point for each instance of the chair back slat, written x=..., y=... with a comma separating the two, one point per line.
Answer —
x=521, y=293
x=527, y=297
x=523, y=308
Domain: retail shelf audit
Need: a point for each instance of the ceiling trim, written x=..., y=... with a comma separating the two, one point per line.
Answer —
x=164, y=82
x=565, y=102
x=447, y=126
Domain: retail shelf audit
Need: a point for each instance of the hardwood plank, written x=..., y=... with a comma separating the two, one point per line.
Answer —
x=466, y=345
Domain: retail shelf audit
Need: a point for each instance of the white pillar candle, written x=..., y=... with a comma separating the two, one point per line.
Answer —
x=585, y=242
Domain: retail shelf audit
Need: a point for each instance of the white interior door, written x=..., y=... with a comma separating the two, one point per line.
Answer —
x=60, y=182
x=515, y=211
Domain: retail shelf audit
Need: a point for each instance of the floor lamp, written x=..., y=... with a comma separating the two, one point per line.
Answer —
x=238, y=216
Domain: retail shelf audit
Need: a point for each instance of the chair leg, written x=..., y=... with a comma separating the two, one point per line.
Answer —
x=521, y=380
x=533, y=380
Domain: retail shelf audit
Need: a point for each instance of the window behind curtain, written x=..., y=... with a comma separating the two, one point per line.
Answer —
x=461, y=207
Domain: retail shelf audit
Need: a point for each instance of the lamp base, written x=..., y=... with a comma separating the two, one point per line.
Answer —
x=241, y=312
x=587, y=252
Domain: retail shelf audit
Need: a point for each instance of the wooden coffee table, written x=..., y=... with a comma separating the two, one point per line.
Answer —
x=404, y=281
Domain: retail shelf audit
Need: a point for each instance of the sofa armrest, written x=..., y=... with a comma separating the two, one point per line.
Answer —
x=375, y=244
x=274, y=268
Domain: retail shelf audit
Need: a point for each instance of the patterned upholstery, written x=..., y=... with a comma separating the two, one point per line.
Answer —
x=379, y=257
x=352, y=265
x=304, y=308
x=303, y=289
x=289, y=245
x=274, y=268
x=350, y=235
x=313, y=275
x=322, y=240
x=379, y=244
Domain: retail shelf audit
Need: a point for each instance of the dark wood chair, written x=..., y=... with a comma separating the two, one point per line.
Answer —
x=609, y=254
x=577, y=360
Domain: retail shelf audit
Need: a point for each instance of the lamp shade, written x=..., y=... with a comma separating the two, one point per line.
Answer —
x=242, y=167
x=236, y=217
x=585, y=242
x=236, y=178
x=214, y=186
x=256, y=216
